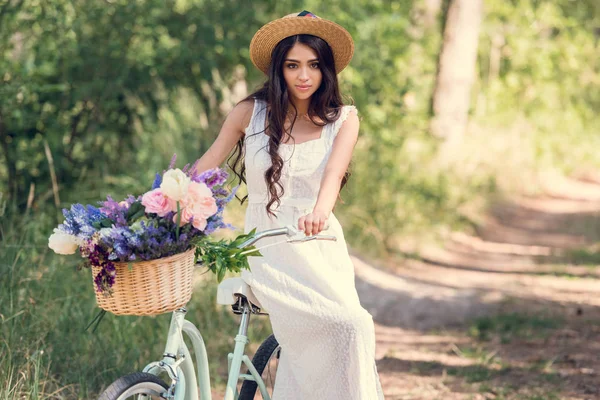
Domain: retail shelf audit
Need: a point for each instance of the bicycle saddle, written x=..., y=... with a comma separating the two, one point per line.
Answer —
x=231, y=288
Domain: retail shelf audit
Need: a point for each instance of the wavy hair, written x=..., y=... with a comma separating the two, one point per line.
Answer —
x=326, y=104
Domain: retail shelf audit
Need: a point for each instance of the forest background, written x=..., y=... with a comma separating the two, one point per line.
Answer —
x=96, y=96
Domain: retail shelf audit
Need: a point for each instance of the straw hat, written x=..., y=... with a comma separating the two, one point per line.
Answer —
x=267, y=37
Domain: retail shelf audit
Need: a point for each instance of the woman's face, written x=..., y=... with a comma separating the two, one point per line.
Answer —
x=301, y=72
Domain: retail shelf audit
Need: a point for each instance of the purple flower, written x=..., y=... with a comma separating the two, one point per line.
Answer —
x=212, y=177
x=173, y=160
x=117, y=210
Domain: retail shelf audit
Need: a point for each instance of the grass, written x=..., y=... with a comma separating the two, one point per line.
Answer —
x=584, y=256
x=512, y=326
x=45, y=304
x=508, y=392
x=473, y=373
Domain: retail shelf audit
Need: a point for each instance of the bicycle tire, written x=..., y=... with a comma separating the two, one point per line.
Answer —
x=263, y=355
x=135, y=384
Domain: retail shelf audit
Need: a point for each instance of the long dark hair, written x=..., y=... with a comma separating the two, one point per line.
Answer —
x=326, y=104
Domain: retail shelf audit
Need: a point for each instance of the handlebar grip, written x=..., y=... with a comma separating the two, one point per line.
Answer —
x=331, y=238
x=293, y=229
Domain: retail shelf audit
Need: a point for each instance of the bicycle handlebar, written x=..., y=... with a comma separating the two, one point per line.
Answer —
x=289, y=231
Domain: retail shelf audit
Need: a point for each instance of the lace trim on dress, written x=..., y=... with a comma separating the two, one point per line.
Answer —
x=337, y=124
x=252, y=117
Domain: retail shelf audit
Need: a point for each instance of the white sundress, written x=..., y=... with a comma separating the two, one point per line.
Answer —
x=327, y=338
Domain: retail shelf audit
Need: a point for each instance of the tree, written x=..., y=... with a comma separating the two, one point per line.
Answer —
x=100, y=84
x=456, y=70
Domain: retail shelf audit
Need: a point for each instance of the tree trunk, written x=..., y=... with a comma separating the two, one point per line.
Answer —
x=431, y=12
x=456, y=70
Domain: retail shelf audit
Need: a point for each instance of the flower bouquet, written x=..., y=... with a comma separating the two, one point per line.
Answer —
x=142, y=250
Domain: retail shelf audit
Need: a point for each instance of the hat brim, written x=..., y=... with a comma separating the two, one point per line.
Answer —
x=267, y=37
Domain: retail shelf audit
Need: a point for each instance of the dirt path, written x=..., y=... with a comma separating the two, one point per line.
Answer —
x=501, y=315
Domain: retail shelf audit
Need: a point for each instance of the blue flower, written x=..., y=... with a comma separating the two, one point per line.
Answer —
x=157, y=181
x=79, y=220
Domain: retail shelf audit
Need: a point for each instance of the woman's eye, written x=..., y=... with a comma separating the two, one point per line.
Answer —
x=294, y=66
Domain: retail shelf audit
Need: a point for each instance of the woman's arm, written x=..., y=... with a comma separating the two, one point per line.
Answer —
x=231, y=132
x=337, y=165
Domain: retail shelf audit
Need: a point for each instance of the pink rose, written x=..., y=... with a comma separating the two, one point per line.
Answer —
x=205, y=208
x=199, y=223
x=198, y=205
x=201, y=200
x=156, y=202
x=196, y=191
x=185, y=216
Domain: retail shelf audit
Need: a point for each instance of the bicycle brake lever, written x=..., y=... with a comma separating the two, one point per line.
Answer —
x=293, y=230
x=314, y=237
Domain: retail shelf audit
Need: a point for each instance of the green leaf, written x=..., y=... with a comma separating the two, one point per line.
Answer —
x=221, y=270
x=103, y=223
x=134, y=209
x=255, y=253
x=137, y=216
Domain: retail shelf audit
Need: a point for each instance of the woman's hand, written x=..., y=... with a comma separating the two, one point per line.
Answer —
x=313, y=223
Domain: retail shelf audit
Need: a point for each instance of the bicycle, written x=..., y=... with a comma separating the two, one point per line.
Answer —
x=177, y=362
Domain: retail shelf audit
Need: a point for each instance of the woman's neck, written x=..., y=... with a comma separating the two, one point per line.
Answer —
x=301, y=106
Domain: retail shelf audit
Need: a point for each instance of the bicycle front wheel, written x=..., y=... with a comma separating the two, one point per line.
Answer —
x=266, y=361
x=138, y=385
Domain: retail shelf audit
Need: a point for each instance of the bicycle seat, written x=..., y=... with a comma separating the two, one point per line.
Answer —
x=230, y=288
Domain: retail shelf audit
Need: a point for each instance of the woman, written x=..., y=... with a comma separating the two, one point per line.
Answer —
x=296, y=138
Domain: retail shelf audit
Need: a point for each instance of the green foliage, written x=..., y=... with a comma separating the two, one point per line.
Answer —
x=538, y=63
x=534, y=107
x=513, y=326
x=585, y=256
x=225, y=256
x=114, y=85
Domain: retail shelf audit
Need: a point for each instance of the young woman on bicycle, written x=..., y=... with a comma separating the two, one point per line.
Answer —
x=295, y=139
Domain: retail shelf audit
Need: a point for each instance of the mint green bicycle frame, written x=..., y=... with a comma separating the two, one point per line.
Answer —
x=177, y=360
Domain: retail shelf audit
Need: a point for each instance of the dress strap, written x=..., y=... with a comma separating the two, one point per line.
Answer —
x=256, y=122
x=337, y=124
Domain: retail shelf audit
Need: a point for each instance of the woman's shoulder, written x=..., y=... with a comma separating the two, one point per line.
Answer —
x=347, y=116
x=345, y=112
x=245, y=106
x=242, y=112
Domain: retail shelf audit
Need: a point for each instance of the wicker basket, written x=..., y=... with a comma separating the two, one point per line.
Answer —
x=149, y=287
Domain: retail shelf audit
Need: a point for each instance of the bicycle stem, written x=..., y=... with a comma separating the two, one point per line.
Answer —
x=271, y=232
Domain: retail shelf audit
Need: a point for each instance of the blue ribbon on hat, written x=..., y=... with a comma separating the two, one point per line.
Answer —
x=307, y=14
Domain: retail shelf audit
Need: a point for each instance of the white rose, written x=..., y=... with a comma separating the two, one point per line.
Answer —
x=63, y=243
x=175, y=184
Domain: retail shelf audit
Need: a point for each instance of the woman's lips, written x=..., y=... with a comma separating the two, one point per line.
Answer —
x=303, y=88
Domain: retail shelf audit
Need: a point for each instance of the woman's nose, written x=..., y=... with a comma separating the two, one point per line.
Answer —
x=303, y=74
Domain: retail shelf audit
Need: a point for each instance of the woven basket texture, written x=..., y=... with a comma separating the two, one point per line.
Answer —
x=149, y=287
